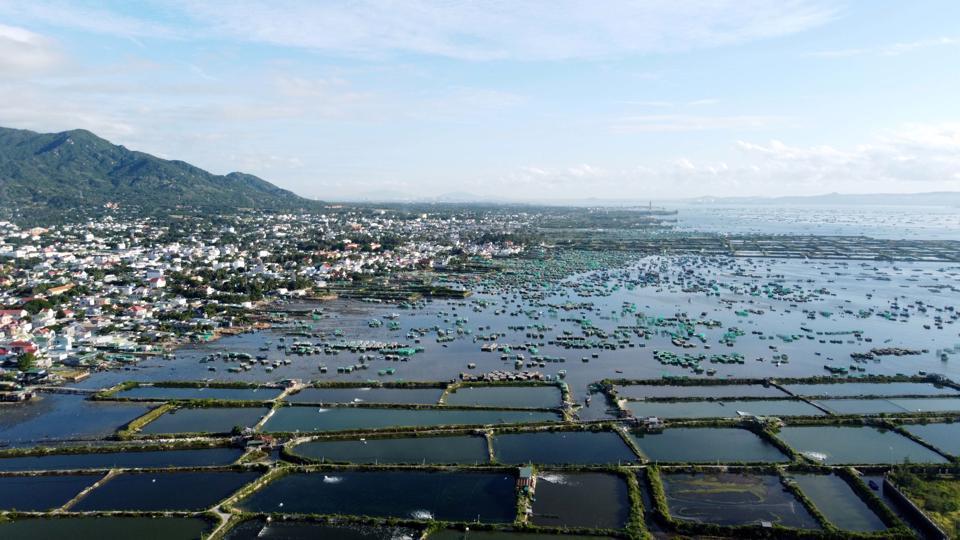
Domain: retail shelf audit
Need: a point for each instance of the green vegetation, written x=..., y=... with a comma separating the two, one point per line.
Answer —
x=937, y=496
x=78, y=169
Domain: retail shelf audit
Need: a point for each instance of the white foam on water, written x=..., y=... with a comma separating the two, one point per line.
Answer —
x=554, y=479
x=421, y=514
x=816, y=456
x=332, y=479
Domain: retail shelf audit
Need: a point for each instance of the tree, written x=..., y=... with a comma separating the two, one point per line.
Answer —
x=26, y=361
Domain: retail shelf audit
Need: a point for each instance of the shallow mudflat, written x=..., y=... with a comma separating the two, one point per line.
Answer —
x=366, y=394
x=130, y=459
x=707, y=445
x=533, y=397
x=60, y=417
x=562, y=447
x=734, y=499
x=461, y=450
x=156, y=491
x=840, y=445
x=41, y=493
x=205, y=420
x=838, y=502
x=426, y=495
x=303, y=418
x=581, y=500
x=104, y=527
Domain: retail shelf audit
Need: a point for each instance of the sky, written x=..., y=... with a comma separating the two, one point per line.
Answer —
x=521, y=100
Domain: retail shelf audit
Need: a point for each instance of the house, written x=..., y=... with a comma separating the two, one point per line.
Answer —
x=526, y=479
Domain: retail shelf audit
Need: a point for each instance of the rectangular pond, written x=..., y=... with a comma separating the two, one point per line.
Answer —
x=205, y=420
x=259, y=529
x=172, y=393
x=532, y=397
x=855, y=406
x=42, y=493
x=842, y=445
x=707, y=445
x=62, y=417
x=869, y=389
x=304, y=418
x=946, y=437
x=562, y=447
x=461, y=449
x=159, y=491
x=722, y=409
x=408, y=494
x=925, y=405
x=127, y=459
x=842, y=507
x=456, y=534
x=103, y=527
x=596, y=500
x=726, y=498
x=726, y=391
x=366, y=394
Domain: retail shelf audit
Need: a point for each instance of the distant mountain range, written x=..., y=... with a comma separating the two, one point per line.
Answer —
x=935, y=198
x=77, y=168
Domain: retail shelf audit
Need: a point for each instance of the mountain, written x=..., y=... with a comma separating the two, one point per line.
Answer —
x=77, y=168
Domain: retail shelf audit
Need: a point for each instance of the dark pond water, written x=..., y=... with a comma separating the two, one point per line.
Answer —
x=723, y=409
x=165, y=393
x=257, y=529
x=451, y=496
x=406, y=396
x=835, y=445
x=838, y=502
x=534, y=397
x=734, y=499
x=562, y=447
x=456, y=534
x=205, y=420
x=103, y=528
x=109, y=460
x=61, y=417
x=41, y=493
x=183, y=491
x=946, y=437
x=641, y=391
x=707, y=445
x=868, y=389
x=304, y=418
x=581, y=500
x=466, y=449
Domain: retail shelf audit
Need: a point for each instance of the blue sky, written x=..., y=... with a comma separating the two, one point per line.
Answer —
x=507, y=99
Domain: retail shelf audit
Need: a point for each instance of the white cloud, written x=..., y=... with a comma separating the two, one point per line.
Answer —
x=918, y=157
x=894, y=49
x=463, y=29
x=24, y=51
